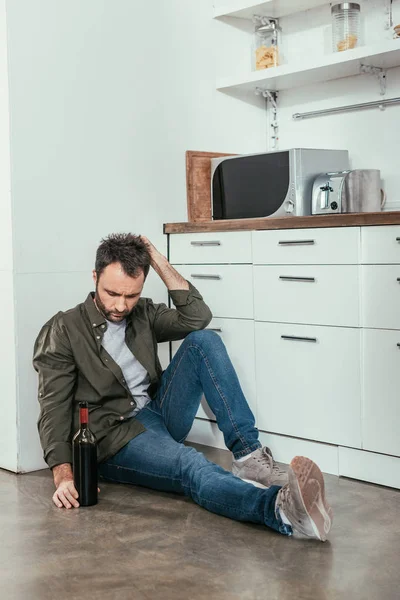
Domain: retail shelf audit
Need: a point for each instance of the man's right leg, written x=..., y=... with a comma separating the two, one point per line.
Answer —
x=154, y=459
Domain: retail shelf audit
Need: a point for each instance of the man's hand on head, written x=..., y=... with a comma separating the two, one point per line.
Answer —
x=155, y=255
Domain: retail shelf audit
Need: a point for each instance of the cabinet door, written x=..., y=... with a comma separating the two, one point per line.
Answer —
x=381, y=399
x=227, y=289
x=330, y=246
x=381, y=296
x=380, y=245
x=321, y=295
x=308, y=382
x=238, y=337
x=210, y=248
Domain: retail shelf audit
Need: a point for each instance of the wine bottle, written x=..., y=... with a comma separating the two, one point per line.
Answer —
x=84, y=457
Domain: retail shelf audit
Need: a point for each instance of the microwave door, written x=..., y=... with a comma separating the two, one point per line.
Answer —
x=250, y=186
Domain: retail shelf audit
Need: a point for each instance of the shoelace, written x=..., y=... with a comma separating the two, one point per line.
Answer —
x=287, y=505
x=267, y=459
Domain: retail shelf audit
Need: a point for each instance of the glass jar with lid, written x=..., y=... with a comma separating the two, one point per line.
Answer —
x=266, y=43
x=346, y=26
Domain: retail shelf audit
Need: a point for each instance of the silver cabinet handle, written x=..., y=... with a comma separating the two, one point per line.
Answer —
x=295, y=338
x=205, y=243
x=206, y=276
x=304, y=279
x=296, y=243
x=214, y=329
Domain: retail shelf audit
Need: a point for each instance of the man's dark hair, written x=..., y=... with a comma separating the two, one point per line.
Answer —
x=125, y=248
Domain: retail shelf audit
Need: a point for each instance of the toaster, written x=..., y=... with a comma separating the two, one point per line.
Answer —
x=348, y=191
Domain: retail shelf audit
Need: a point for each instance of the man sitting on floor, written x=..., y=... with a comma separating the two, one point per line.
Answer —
x=104, y=352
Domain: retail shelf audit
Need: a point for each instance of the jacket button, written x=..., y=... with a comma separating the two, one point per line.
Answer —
x=98, y=337
x=123, y=381
x=121, y=418
x=132, y=404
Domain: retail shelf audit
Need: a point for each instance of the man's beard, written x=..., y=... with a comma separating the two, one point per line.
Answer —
x=109, y=314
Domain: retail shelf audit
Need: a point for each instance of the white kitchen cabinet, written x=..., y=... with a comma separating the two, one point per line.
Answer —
x=307, y=247
x=381, y=296
x=311, y=320
x=319, y=295
x=380, y=245
x=227, y=289
x=211, y=248
x=238, y=337
x=381, y=397
x=309, y=382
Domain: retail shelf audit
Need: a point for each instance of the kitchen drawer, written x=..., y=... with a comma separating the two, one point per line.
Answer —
x=380, y=245
x=319, y=295
x=380, y=296
x=336, y=246
x=381, y=384
x=227, y=289
x=238, y=337
x=210, y=248
x=308, y=382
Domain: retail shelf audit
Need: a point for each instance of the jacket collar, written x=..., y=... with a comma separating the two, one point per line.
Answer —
x=95, y=316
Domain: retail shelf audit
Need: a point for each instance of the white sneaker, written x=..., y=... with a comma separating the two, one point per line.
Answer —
x=260, y=469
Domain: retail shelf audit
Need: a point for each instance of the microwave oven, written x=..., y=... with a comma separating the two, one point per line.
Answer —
x=271, y=184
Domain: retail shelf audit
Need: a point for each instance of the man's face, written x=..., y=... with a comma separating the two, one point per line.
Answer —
x=116, y=292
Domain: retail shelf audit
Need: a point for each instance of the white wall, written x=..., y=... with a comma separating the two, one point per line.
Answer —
x=105, y=98
x=8, y=402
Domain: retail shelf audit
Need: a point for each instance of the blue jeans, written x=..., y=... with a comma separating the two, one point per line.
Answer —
x=158, y=459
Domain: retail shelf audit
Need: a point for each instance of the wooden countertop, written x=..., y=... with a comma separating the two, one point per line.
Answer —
x=337, y=220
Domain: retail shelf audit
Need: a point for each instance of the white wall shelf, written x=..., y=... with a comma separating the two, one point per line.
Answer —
x=243, y=9
x=324, y=68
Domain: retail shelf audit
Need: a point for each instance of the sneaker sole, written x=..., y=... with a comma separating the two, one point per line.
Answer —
x=311, y=487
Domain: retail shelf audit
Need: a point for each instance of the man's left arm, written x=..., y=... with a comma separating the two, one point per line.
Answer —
x=191, y=312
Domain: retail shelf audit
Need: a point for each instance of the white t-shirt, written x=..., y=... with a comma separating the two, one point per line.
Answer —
x=135, y=375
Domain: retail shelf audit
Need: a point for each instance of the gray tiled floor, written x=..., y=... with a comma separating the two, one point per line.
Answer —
x=141, y=544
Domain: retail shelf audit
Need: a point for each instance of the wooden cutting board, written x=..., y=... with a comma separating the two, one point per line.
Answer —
x=198, y=184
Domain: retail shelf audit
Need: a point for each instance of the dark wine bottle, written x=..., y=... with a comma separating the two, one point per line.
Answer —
x=84, y=457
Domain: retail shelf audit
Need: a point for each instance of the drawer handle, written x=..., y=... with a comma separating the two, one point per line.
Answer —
x=295, y=338
x=214, y=329
x=296, y=243
x=205, y=243
x=304, y=279
x=206, y=276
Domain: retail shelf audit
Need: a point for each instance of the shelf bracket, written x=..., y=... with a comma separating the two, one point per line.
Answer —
x=379, y=73
x=389, y=13
x=271, y=97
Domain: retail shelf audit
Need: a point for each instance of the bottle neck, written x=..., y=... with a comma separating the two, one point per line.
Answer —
x=84, y=418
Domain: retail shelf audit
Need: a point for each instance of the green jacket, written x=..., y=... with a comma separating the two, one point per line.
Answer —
x=73, y=367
